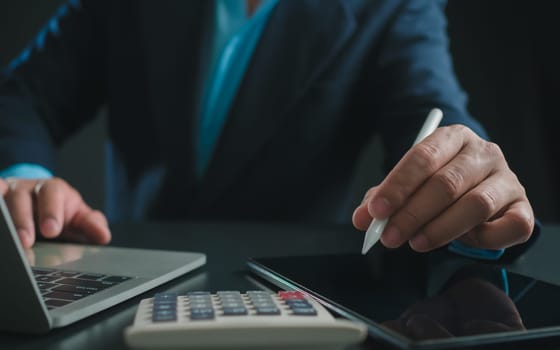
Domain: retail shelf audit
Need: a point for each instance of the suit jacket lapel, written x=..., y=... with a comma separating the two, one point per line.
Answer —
x=299, y=41
x=174, y=53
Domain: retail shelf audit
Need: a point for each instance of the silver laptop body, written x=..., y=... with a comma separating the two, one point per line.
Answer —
x=28, y=308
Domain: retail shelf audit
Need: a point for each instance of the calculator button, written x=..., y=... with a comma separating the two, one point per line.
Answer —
x=195, y=300
x=165, y=297
x=164, y=315
x=258, y=292
x=295, y=303
x=304, y=311
x=165, y=306
x=234, y=311
x=200, y=305
x=291, y=295
x=225, y=293
x=230, y=296
x=267, y=310
x=199, y=293
x=231, y=300
x=164, y=318
x=202, y=314
x=261, y=300
x=264, y=305
x=232, y=305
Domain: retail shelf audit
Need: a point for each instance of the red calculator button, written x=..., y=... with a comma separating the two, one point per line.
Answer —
x=285, y=295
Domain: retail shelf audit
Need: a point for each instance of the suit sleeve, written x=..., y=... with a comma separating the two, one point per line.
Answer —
x=417, y=74
x=414, y=73
x=53, y=88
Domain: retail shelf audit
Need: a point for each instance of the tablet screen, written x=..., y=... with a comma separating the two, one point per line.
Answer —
x=425, y=301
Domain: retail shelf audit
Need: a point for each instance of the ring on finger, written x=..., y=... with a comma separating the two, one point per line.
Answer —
x=12, y=183
x=38, y=186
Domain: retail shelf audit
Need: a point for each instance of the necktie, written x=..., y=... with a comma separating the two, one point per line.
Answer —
x=237, y=37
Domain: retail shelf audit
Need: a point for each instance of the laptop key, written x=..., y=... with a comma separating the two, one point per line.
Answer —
x=68, y=288
x=65, y=274
x=46, y=285
x=46, y=278
x=65, y=295
x=116, y=279
x=85, y=283
x=56, y=303
x=91, y=276
x=37, y=271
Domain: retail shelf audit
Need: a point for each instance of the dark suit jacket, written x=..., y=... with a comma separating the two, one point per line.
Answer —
x=324, y=78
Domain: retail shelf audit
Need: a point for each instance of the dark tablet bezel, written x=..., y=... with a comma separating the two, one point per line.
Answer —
x=542, y=337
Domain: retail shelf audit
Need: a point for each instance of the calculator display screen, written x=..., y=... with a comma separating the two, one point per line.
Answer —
x=425, y=301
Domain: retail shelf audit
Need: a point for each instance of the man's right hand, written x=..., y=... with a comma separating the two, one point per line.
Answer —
x=55, y=209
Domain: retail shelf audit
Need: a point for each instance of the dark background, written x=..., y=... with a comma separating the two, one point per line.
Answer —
x=504, y=56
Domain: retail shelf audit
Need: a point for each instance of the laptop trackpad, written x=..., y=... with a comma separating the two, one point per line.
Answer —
x=104, y=259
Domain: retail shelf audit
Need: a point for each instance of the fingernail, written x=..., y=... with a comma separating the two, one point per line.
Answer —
x=354, y=214
x=380, y=208
x=24, y=236
x=391, y=237
x=419, y=243
x=23, y=233
x=50, y=227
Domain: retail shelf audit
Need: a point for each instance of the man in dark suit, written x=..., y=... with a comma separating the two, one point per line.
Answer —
x=262, y=122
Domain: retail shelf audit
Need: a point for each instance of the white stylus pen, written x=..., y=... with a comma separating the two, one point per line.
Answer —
x=376, y=227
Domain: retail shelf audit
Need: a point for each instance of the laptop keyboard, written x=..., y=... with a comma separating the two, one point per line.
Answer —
x=60, y=288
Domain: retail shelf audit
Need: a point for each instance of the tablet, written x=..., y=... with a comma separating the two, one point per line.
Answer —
x=425, y=301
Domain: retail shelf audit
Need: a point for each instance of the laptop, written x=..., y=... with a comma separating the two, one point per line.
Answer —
x=55, y=284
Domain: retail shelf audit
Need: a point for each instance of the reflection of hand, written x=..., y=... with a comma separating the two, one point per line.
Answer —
x=30, y=255
x=59, y=209
x=471, y=306
x=452, y=185
x=49, y=256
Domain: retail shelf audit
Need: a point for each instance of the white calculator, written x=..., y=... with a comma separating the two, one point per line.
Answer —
x=235, y=320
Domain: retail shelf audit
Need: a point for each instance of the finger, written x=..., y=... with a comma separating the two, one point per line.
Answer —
x=50, y=206
x=467, y=169
x=424, y=326
x=361, y=217
x=369, y=193
x=87, y=225
x=476, y=327
x=20, y=204
x=3, y=187
x=416, y=166
x=513, y=227
x=477, y=206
